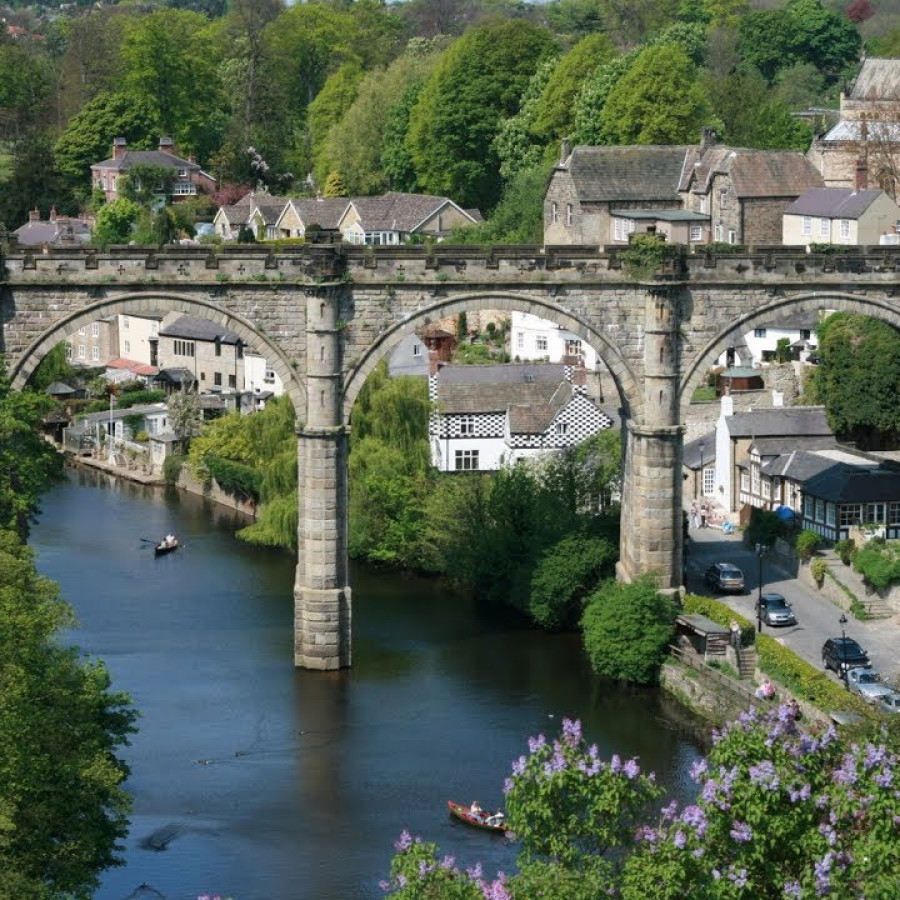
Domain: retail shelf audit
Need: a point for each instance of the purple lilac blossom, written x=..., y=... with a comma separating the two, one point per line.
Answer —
x=741, y=832
x=571, y=731
x=405, y=841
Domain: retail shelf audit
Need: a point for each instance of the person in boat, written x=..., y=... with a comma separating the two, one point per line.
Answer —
x=476, y=810
x=496, y=819
x=169, y=540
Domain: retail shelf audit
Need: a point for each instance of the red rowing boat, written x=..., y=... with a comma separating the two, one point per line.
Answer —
x=484, y=821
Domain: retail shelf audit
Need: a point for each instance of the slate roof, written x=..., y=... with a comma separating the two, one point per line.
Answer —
x=270, y=208
x=536, y=418
x=58, y=389
x=851, y=130
x=197, y=329
x=833, y=203
x=843, y=483
x=755, y=173
x=176, y=375
x=663, y=215
x=878, y=79
x=396, y=211
x=62, y=231
x=691, y=452
x=325, y=212
x=769, y=447
x=798, y=421
x=160, y=158
x=635, y=174
x=485, y=389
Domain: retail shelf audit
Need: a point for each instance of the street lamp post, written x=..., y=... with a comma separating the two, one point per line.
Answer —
x=110, y=435
x=760, y=550
x=843, y=621
x=702, y=448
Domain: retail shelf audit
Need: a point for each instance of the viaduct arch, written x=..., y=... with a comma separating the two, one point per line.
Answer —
x=324, y=316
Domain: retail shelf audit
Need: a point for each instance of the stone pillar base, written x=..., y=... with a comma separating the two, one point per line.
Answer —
x=322, y=628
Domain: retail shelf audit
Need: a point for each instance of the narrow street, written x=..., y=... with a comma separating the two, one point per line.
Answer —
x=817, y=617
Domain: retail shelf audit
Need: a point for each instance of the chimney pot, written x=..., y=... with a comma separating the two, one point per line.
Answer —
x=34, y=215
x=120, y=147
x=565, y=151
x=52, y=213
x=166, y=145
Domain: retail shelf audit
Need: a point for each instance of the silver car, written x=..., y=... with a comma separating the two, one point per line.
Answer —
x=773, y=609
x=866, y=682
x=888, y=703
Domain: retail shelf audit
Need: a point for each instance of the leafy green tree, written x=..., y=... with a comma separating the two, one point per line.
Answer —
x=477, y=84
x=591, y=100
x=691, y=38
x=627, y=629
x=396, y=159
x=28, y=464
x=659, y=101
x=63, y=811
x=33, y=183
x=886, y=45
x=565, y=575
x=331, y=103
x=554, y=115
x=802, y=31
x=859, y=378
x=55, y=366
x=799, y=86
x=114, y=222
x=25, y=90
x=334, y=185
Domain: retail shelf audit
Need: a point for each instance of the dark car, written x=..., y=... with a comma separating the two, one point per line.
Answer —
x=843, y=653
x=725, y=577
x=773, y=609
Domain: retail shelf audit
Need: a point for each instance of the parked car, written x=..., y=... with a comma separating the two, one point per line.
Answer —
x=889, y=703
x=773, y=609
x=725, y=577
x=866, y=682
x=842, y=654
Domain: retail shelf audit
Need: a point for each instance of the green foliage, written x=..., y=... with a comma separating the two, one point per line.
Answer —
x=476, y=85
x=591, y=100
x=54, y=367
x=565, y=574
x=846, y=550
x=720, y=613
x=804, y=680
x=115, y=221
x=646, y=254
x=763, y=528
x=63, y=811
x=234, y=478
x=806, y=543
x=172, y=466
x=818, y=568
x=879, y=563
x=134, y=421
x=658, y=101
x=332, y=102
x=859, y=378
x=627, y=630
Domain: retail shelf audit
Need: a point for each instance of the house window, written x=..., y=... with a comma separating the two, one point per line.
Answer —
x=622, y=228
x=808, y=506
x=766, y=489
x=466, y=460
x=720, y=233
x=467, y=424
x=218, y=344
x=417, y=349
x=696, y=232
x=732, y=237
x=68, y=350
x=269, y=377
x=569, y=216
x=541, y=342
x=95, y=329
x=830, y=514
x=754, y=480
x=807, y=225
x=805, y=334
x=561, y=429
x=845, y=229
x=184, y=189
x=820, y=509
x=894, y=513
x=745, y=480
x=217, y=379
x=520, y=341
x=183, y=348
x=82, y=330
x=875, y=512
x=709, y=480
x=126, y=322
x=239, y=350
x=723, y=198
x=203, y=376
x=81, y=351
x=232, y=381
x=182, y=173
x=95, y=354
x=759, y=332
x=127, y=345
x=851, y=514
x=824, y=227
x=573, y=348
x=554, y=212
x=154, y=328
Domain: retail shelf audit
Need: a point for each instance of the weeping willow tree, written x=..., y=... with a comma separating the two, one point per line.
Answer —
x=389, y=472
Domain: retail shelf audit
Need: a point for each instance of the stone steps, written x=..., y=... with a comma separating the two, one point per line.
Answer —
x=747, y=662
x=876, y=607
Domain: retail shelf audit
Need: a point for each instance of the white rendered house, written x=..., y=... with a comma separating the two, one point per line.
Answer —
x=534, y=338
x=490, y=416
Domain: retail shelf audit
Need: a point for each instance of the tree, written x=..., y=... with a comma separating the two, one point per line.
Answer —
x=25, y=89
x=658, y=101
x=591, y=100
x=34, y=182
x=55, y=366
x=396, y=159
x=859, y=377
x=331, y=103
x=627, y=629
x=63, y=812
x=479, y=82
x=185, y=415
x=114, y=221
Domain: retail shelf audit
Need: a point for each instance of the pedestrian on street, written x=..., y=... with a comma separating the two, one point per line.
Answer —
x=703, y=514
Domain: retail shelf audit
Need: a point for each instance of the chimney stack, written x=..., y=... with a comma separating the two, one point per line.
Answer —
x=120, y=147
x=708, y=137
x=565, y=151
x=52, y=213
x=861, y=181
x=166, y=145
x=34, y=215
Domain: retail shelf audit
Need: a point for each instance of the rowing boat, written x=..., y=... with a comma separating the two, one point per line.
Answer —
x=483, y=821
x=164, y=547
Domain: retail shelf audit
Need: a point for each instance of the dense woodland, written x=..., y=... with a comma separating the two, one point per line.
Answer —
x=467, y=99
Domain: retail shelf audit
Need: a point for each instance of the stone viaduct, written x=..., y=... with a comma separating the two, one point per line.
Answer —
x=325, y=315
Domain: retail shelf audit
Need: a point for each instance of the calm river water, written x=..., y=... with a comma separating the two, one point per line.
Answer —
x=277, y=784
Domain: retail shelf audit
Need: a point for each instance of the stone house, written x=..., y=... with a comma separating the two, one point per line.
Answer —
x=394, y=218
x=188, y=179
x=420, y=353
x=212, y=354
x=264, y=216
x=301, y=213
x=55, y=231
x=139, y=336
x=94, y=344
x=490, y=416
x=228, y=220
x=862, y=149
x=845, y=216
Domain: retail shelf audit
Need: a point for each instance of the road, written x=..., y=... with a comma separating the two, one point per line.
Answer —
x=817, y=618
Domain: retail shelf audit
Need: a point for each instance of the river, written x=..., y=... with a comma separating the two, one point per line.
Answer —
x=277, y=784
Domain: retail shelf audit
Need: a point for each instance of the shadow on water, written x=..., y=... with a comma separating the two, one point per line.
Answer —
x=257, y=781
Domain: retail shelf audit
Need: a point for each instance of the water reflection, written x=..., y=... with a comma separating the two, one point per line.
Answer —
x=264, y=782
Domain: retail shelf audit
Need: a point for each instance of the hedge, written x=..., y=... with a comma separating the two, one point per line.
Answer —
x=720, y=613
x=806, y=681
x=234, y=478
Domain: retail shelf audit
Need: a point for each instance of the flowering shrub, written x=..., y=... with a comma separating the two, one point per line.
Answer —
x=780, y=813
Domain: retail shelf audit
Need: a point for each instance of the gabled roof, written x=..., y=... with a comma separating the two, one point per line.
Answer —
x=691, y=451
x=176, y=375
x=131, y=365
x=781, y=448
x=842, y=483
x=536, y=418
x=197, y=329
x=485, y=389
x=325, y=212
x=58, y=389
x=755, y=173
x=270, y=208
x=833, y=203
x=639, y=173
x=396, y=211
x=131, y=158
x=63, y=230
x=852, y=130
x=878, y=79
x=779, y=421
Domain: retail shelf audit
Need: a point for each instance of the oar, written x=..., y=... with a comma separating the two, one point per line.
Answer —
x=148, y=541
